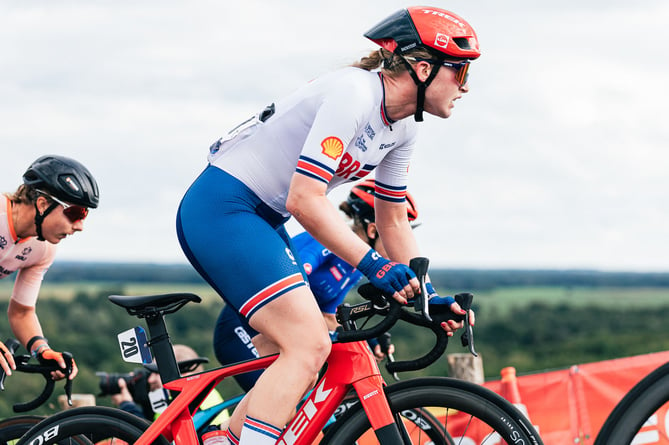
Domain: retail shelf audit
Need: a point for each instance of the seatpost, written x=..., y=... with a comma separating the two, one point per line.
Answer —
x=162, y=348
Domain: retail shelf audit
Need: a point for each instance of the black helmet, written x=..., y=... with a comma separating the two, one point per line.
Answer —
x=64, y=179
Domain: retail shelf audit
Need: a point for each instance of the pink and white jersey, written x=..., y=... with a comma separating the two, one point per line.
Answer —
x=334, y=129
x=29, y=256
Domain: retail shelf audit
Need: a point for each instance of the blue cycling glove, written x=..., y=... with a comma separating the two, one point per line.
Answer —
x=384, y=274
x=434, y=298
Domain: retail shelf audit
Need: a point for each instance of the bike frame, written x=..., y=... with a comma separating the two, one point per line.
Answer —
x=350, y=365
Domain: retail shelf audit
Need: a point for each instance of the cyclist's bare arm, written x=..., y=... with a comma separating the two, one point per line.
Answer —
x=26, y=326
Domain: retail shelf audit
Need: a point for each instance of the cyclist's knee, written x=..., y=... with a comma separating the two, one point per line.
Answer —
x=323, y=347
x=313, y=353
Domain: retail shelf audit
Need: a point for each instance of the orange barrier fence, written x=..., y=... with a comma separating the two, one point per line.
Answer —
x=569, y=406
x=566, y=406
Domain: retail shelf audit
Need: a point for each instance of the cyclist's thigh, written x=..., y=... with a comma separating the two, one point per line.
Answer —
x=292, y=322
x=236, y=250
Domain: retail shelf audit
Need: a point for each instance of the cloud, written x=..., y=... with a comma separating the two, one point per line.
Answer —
x=556, y=158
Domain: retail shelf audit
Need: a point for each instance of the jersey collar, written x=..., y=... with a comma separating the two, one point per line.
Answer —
x=10, y=224
x=384, y=113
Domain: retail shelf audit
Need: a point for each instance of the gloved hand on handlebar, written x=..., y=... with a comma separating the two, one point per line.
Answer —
x=6, y=359
x=392, y=278
x=381, y=347
x=47, y=354
x=434, y=299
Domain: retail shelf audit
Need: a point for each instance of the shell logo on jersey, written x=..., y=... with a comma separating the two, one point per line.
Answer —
x=333, y=147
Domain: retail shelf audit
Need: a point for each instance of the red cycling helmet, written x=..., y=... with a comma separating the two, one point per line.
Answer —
x=436, y=29
x=444, y=34
x=361, y=200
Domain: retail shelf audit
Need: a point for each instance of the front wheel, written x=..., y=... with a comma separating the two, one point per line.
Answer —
x=86, y=426
x=642, y=416
x=467, y=414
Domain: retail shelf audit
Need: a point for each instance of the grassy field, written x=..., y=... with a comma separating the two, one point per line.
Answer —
x=504, y=299
x=500, y=300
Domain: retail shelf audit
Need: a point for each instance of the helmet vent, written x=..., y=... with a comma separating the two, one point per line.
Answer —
x=462, y=42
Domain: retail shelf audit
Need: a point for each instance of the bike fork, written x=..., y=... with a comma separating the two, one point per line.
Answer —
x=374, y=402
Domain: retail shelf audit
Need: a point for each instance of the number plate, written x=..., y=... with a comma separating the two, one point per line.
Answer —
x=134, y=348
x=159, y=400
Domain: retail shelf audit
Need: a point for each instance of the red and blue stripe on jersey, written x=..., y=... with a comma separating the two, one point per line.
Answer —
x=314, y=169
x=390, y=193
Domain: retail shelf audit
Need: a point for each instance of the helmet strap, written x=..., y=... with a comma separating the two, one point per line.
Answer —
x=422, y=86
x=39, y=218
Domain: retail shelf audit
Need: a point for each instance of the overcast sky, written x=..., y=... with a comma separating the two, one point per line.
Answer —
x=556, y=158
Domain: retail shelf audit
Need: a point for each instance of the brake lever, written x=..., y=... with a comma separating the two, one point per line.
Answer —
x=421, y=304
x=68, y=382
x=467, y=337
x=384, y=342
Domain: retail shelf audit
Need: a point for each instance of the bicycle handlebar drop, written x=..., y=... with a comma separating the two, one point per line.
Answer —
x=45, y=370
x=391, y=310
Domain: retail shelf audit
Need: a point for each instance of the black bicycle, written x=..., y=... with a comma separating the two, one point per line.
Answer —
x=642, y=416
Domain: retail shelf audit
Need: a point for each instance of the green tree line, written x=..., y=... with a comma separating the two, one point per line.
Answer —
x=455, y=278
x=532, y=335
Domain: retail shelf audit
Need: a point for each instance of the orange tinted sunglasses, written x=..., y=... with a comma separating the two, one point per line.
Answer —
x=73, y=212
x=461, y=68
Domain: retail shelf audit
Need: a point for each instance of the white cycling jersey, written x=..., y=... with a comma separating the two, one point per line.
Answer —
x=29, y=256
x=334, y=129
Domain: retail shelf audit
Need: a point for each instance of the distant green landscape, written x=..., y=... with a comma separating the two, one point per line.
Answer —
x=532, y=320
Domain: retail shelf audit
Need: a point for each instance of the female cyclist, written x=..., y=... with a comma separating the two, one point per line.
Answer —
x=51, y=204
x=330, y=279
x=283, y=161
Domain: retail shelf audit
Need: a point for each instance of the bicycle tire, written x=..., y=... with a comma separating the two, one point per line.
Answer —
x=13, y=428
x=86, y=426
x=419, y=417
x=630, y=414
x=462, y=405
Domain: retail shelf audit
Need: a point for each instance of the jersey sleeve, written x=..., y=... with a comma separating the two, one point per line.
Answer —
x=311, y=252
x=341, y=113
x=329, y=305
x=29, y=280
x=392, y=174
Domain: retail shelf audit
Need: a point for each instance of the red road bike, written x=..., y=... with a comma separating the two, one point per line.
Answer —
x=383, y=414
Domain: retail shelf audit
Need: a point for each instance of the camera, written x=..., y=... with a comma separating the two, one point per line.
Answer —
x=136, y=382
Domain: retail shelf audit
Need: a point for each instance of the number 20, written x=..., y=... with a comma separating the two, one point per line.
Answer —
x=130, y=348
